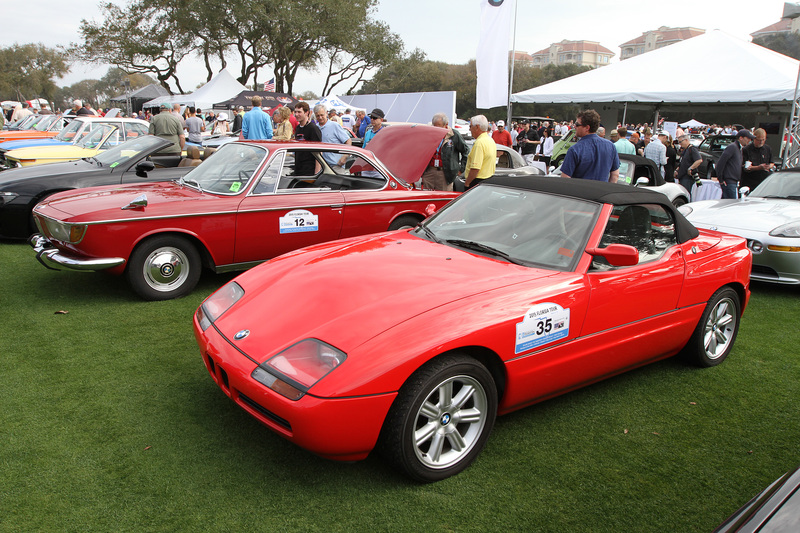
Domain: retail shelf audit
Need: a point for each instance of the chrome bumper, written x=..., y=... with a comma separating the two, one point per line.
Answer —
x=52, y=258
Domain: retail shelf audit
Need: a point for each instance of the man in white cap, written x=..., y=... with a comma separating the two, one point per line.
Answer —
x=657, y=151
x=501, y=135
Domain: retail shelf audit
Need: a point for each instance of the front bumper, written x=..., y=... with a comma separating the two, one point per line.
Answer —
x=52, y=258
x=343, y=429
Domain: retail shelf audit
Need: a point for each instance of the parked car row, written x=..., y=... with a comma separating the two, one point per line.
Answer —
x=548, y=272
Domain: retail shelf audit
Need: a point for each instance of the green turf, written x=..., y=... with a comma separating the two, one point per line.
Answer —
x=110, y=422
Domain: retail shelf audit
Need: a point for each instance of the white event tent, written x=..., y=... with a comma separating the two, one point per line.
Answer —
x=221, y=87
x=708, y=70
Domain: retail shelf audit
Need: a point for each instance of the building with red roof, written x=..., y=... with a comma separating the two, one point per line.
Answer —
x=655, y=39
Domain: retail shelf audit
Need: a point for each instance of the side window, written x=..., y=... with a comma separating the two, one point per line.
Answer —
x=266, y=185
x=133, y=130
x=304, y=169
x=647, y=227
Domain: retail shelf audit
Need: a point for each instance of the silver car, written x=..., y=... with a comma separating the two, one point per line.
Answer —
x=769, y=218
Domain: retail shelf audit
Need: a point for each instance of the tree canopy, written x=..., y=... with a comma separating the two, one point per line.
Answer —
x=29, y=70
x=154, y=36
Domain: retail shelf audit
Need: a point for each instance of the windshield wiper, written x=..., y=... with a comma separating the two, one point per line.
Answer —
x=480, y=247
x=192, y=182
x=431, y=235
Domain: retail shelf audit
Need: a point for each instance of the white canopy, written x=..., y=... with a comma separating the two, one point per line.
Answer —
x=221, y=87
x=334, y=102
x=710, y=68
x=693, y=124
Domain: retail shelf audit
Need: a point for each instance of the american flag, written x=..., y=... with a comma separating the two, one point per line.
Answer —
x=270, y=86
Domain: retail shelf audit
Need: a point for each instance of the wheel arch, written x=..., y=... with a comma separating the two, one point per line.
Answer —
x=205, y=256
x=411, y=214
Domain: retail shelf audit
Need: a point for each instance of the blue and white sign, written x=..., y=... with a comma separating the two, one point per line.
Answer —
x=299, y=220
x=542, y=324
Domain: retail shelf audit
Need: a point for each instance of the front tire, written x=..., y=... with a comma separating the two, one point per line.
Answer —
x=441, y=419
x=713, y=338
x=165, y=267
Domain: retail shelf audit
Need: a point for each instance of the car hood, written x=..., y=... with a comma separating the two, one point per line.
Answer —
x=406, y=149
x=51, y=152
x=14, y=175
x=28, y=134
x=14, y=145
x=750, y=214
x=346, y=292
x=103, y=203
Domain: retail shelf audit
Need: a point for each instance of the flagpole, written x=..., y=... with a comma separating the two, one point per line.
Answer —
x=513, y=61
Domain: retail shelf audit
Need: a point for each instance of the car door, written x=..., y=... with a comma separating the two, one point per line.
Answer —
x=285, y=211
x=632, y=308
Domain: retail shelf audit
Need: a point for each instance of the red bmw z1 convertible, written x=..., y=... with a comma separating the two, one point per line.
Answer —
x=522, y=289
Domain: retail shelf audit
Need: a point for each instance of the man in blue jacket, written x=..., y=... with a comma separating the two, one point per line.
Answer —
x=256, y=124
x=729, y=166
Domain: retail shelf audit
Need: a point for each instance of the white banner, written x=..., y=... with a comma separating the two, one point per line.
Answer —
x=492, y=56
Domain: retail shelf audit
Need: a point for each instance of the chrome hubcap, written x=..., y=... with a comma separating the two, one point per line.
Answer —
x=166, y=268
x=719, y=328
x=450, y=421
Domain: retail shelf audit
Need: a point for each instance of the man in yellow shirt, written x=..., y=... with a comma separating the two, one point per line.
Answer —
x=483, y=156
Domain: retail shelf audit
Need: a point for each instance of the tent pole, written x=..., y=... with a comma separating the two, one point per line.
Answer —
x=513, y=62
x=655, y=122
x=624, y=114
x=792, y=137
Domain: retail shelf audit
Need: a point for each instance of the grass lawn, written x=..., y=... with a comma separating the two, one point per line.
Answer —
x=110, y=422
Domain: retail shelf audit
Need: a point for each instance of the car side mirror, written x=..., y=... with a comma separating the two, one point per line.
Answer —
x=642, y=182
x=430, y=209
x=144, y=167
x=616, y=254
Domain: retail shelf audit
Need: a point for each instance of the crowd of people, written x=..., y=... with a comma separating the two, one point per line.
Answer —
x=593, y=156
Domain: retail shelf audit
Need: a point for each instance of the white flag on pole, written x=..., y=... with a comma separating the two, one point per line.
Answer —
x=492, y=57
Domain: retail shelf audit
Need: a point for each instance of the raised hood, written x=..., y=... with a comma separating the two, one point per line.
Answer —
x=94, y=204
x=346, y=292
x=406, y=149
x=749, y=214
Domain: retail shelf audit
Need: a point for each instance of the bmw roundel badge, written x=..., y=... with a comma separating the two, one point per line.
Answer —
x=241, y=334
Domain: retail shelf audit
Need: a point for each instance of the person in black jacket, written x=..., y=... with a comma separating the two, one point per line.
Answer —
x=672, y=156
x=449, y=160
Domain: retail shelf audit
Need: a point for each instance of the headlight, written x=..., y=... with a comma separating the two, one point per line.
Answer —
x=792, y=229
x=297, y=368
x=218, y=303
x=71, y=233
x=7, y=197
x=685, y=210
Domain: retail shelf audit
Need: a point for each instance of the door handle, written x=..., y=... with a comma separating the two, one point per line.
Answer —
x=337, y=206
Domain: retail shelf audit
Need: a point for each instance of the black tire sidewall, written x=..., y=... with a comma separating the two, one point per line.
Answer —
x=145, y=248
x=409, y=401
x=403, y=221
x=695, y=350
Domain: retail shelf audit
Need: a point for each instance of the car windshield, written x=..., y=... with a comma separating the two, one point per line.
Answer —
x=68, y=133
x=716, y=144
x=44, y=122
x=229, y=171
x=130, y=150
x=27, y=122
x=779, y=185
x=520, y=226
x=96, y=136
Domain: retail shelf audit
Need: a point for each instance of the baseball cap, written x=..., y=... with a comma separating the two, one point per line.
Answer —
x=746, y=133
x=501, y=123
x=377, y=113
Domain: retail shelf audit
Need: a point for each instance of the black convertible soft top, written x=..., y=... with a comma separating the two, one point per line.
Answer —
x=600, y=192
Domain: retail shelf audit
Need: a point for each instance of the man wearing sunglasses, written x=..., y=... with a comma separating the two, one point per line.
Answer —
x=592, y=157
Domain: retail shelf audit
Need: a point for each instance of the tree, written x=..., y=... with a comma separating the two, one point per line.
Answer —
x=141, y=38
x=372, y=46
x=784, y=43
x=28, y=71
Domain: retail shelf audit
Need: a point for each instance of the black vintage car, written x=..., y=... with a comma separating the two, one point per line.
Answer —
x=710, y=150
x=775, y=509
x=132, y=161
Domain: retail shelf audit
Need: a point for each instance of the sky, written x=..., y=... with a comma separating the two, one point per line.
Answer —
x=446, y=30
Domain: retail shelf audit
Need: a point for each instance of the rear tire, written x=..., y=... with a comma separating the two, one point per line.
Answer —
x=441, y=419
x=716, y=332
x=164, y=267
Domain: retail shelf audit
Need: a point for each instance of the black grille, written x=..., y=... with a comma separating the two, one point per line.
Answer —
x=764, y=271
x=265, y=412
